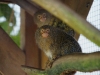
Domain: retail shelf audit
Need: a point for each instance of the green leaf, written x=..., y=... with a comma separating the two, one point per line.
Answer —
x=16, y=39
x=6, y=11
x=6, y=27
x=1, y=14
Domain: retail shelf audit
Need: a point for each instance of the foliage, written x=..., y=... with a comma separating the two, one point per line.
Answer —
x=16, y=38
x=10, y=22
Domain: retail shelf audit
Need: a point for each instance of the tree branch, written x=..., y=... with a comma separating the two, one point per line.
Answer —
x=33, y=71
x=85, y=62
x=71, y=18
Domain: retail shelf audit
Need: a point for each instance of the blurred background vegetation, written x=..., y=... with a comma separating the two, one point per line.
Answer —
x=8, y=21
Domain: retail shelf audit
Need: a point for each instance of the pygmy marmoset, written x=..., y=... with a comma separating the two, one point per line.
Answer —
x=55, y=42
x=42, y=17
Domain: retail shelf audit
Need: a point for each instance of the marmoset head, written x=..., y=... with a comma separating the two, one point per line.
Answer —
x=42, y=17
x=45, y=32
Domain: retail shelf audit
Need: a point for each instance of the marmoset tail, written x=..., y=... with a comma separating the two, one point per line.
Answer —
x=42, y=17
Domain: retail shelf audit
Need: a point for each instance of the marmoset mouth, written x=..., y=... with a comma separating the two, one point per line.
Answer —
x=45, y=35
x=43, y=19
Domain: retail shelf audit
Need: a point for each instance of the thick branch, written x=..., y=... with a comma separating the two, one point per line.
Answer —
x=76, y=61
x=85, y=62
x=33, y=71
x=71, y=18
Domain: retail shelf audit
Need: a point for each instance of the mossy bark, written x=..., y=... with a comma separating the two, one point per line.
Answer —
x=77, y=61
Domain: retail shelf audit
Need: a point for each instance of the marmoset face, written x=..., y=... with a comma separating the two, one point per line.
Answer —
x=45, y=32
x=42, y=17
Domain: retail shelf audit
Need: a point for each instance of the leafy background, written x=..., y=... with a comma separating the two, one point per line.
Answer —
x=9, y=23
